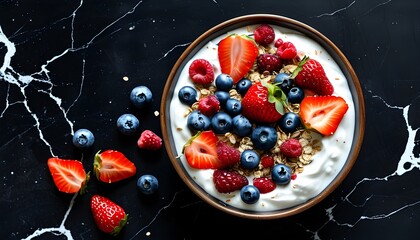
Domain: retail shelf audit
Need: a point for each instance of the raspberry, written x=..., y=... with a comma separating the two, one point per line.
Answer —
x=208, y=105
x=264, y=34
x=149, y=140
x=291, y=148
x=227, y=154
x=287, y=51
x=201, y=72
x=227, y=181
x=267, y=161
x=278, y=43
x=264, y=184
x=269, y=62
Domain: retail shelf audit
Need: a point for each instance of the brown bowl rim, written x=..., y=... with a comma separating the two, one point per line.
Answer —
x=345, y=66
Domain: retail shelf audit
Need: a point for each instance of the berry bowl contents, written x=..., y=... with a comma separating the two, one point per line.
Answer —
x=262, y=116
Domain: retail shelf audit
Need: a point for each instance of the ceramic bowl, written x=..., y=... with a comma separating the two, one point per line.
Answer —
x=171, y=131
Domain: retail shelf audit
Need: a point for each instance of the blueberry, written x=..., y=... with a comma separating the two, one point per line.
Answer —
x=187, y=95
x=83, y=138
x=197, y=121
x=284, y=81
x=221, y=123
x=127, y=124
x=281, y=174
x=223, y=82
x=141, y=96
x=289, y=122
x=295, y=95
x=233, y=106
x=147, y=184
x=249, y=159
x=222, y=96
x=264, y=137
x=250, y=194
x=243, y=85
x=241, y=126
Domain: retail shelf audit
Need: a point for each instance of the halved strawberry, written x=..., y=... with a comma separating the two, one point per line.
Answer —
x=323, y=113
x=256, y=104
x=68, y=175
x=112, y=166
x=201, y=150
x=237, y=54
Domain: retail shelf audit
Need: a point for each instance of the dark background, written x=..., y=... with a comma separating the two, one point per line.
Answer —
x=76, y=55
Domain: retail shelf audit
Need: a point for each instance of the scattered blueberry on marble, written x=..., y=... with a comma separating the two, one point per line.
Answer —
x=250, y=194
x=128, y=124
x=147, y=184
x=141, y=96
x=83, y=138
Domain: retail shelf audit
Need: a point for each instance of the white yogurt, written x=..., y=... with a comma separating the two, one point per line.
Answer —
x=326, y=164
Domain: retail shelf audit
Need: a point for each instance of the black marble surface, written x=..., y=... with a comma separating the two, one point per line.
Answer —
x=62, y=65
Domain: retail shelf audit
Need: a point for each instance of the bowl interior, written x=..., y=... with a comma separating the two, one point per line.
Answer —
x=223, y=28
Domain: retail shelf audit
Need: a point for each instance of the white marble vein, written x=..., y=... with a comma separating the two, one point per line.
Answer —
x=22, y=81
x=337, y=11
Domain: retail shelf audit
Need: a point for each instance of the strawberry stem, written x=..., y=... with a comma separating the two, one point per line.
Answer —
x=300, y=66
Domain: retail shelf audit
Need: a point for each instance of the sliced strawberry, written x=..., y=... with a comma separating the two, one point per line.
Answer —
x=323, y=113
x=256, y=106
x=201, y=151
x=237, y=54
x=112, y=166
x=68, y=175
x=312, y=76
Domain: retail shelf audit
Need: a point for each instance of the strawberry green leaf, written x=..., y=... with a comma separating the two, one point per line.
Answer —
x=276, y=96
x=299, y=67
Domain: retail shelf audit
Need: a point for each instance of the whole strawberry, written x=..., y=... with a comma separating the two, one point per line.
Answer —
x=313, y=77
x=149, y=140
x=227, y=181
x=257, y=107
x=108, y=216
